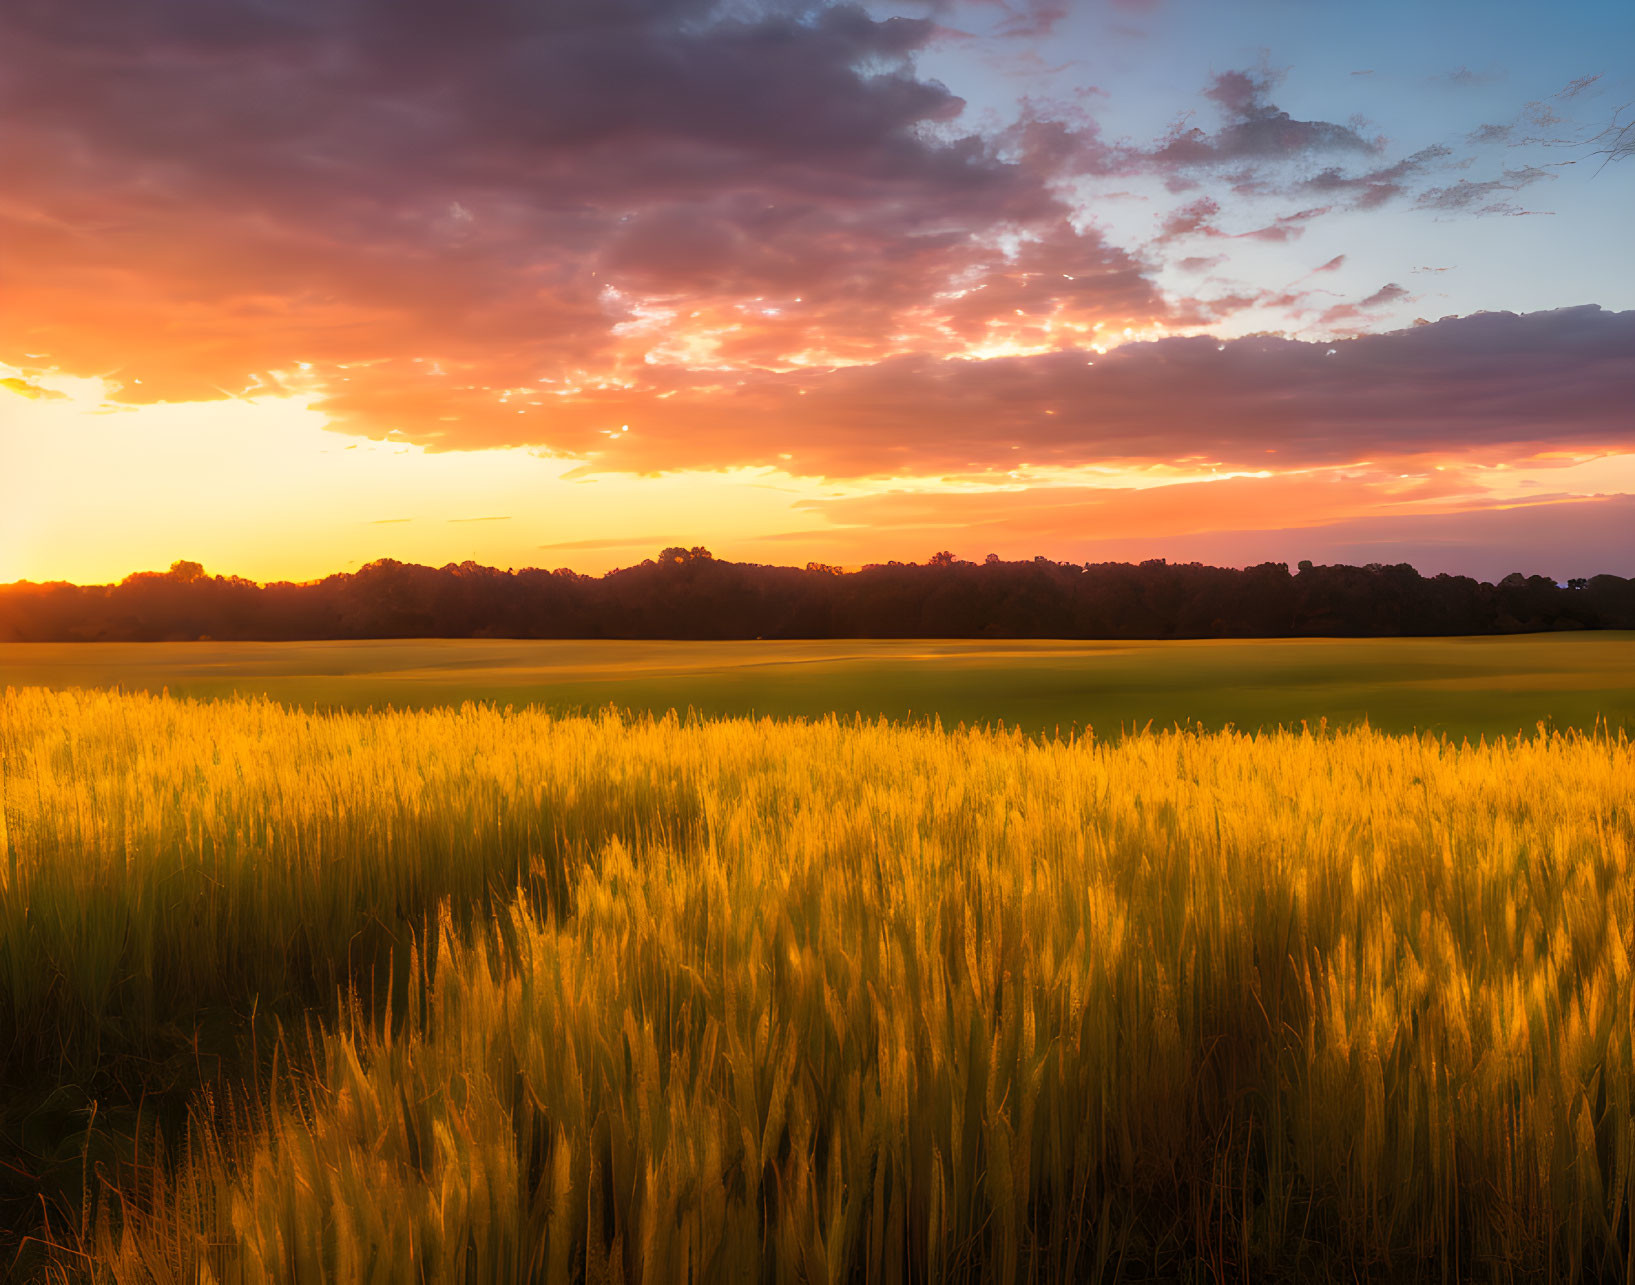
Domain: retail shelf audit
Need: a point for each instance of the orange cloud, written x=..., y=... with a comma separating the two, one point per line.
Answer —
x=1501, y=383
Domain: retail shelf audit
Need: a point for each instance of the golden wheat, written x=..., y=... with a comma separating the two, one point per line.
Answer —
x=831, y=1001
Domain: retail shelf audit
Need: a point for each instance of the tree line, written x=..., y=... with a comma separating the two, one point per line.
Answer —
x=687, y=593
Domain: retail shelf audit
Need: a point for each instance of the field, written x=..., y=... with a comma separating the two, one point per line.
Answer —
x=473, y=995
x=1491, y=686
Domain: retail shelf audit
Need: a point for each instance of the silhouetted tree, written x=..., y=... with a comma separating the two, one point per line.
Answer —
x=688, y=593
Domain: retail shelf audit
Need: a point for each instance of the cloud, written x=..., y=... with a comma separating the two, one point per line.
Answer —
x=1464, y=78
x=748, y=230
x=1559, y=539
x=1573, y=88
x=1539, y=122
x=29, y=389
x=1031, y=19
x=1239, y=522
x=1496, y=382
x=1260, y=150
x=1465, y=196
x=1198, y=219
x=1384, y=297
x=1376, y=187
x=1254, y=130
x=1194, y=219
x=204, y=195
x=1064, y=514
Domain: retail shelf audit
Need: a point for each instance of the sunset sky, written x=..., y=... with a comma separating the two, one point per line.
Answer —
x=290, y=285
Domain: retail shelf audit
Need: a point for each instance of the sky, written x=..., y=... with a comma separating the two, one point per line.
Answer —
x=287, y=286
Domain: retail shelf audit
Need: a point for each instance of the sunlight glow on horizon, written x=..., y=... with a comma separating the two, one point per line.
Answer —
x=262, y=486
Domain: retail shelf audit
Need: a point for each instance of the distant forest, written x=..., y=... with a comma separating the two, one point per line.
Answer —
x=687, y=593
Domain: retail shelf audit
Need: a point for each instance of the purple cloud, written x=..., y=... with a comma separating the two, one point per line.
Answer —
x=1255, y=130
x=1494, y=382
x=238, y=185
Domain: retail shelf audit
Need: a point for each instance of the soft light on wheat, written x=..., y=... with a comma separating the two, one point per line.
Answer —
x=602, y=999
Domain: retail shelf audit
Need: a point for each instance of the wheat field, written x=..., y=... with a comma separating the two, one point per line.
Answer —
x=486, y=995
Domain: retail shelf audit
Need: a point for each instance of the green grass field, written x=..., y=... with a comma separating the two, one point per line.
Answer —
x=1460, y=686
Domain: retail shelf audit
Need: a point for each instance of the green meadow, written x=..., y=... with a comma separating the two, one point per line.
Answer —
x=1483, y=686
